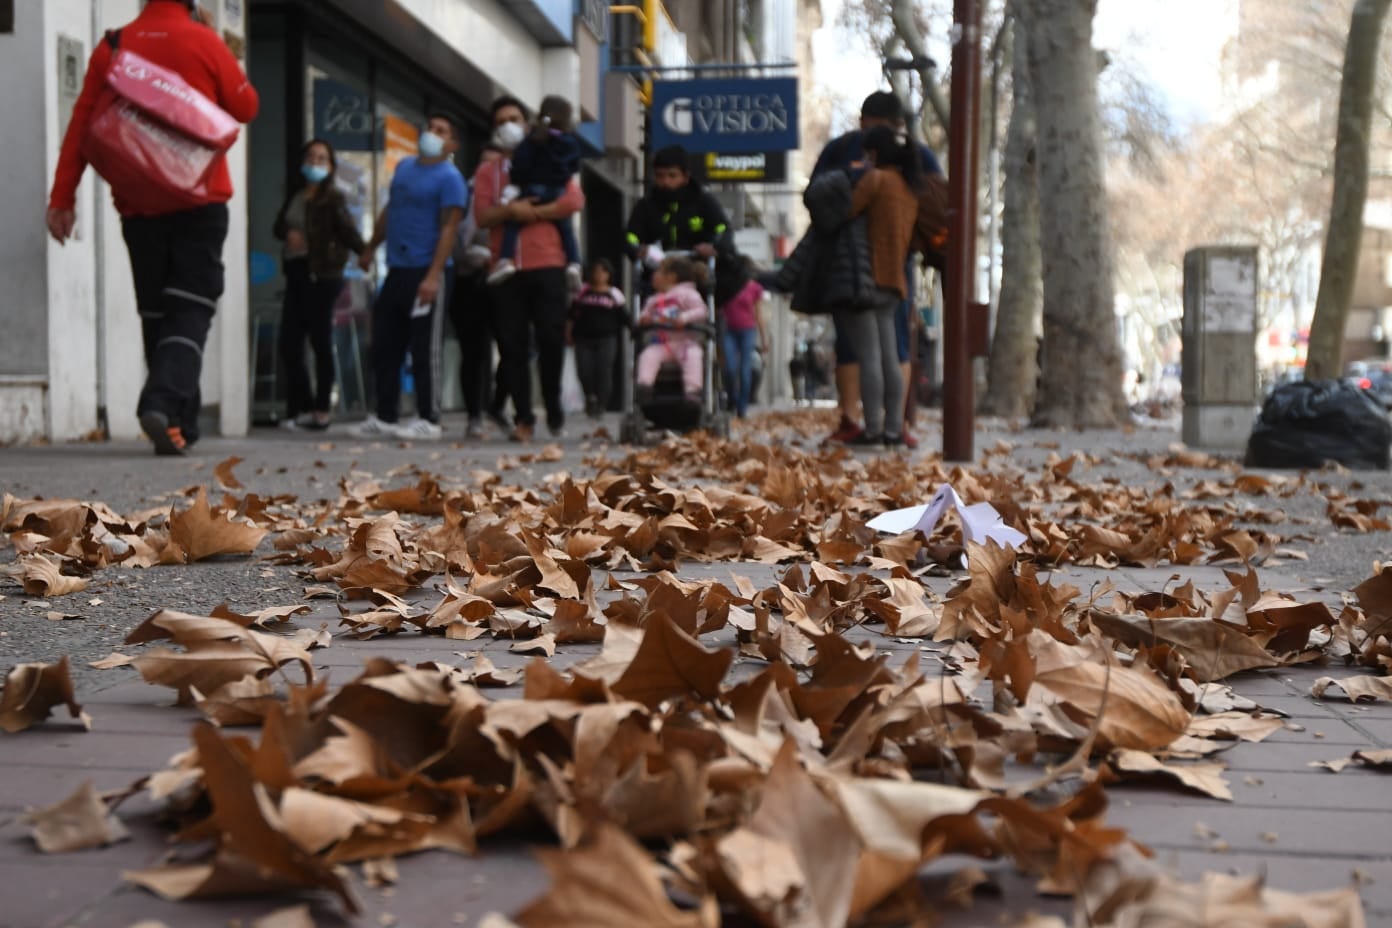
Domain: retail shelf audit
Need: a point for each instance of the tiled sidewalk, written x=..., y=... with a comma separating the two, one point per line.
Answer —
x=1305, y=828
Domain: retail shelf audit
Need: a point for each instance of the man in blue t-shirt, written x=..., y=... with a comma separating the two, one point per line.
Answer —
x=419, y=224
x=847, y=153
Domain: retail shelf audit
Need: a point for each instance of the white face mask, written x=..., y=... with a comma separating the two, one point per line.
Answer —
x=431, y=145
x=508, y=136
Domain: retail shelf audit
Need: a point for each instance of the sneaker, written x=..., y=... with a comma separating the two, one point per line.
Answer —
x=372, y=427
x=474, y=430
x=167, y=439
x=573, y=276
x=895, y=441
x=520, y=433
x=866, y=440
x=481, y=254
x=317, y=422
x=509, y=194
x=289, y=425
x=503, y=270
x=846, y=433
x=419, y=430
x=557, y=431
x=909, y=441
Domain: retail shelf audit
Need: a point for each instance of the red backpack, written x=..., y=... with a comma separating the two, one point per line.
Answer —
x=152, y=137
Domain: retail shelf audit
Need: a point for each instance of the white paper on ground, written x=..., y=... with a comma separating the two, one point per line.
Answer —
x=980, y=521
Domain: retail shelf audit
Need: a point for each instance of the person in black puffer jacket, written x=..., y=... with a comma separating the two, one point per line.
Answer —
x=829, y=271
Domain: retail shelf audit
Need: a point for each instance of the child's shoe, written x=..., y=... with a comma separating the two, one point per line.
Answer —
x=502, y=271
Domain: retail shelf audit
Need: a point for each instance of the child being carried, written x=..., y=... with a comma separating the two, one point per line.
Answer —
x=678, y=303
x=542, y=165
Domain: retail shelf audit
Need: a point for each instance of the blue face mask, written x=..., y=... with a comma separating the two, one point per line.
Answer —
x=431, y=145
x=314, y=173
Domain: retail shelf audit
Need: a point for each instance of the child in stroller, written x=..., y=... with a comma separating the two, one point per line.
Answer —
x=676, y=305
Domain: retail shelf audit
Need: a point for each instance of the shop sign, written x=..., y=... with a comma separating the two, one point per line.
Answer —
x=726, y=116
x=342, y=116
x=760, y=167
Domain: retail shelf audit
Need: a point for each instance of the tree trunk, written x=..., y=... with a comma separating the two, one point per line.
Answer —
x=1080, y=386
x=1345, y=233
x=1013, y=370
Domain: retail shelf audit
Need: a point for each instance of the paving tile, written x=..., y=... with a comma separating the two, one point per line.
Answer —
x=94, y=750
x=1352, y=790
x=1356, y=835
x=51, y=897
x=1257, y=758
x=37, y=787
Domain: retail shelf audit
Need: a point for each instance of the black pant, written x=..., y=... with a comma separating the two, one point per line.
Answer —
x=307, y=314
x=176, y=263
x=394, y=330
x=532, y=310
x=594, y=364
x=471, y=314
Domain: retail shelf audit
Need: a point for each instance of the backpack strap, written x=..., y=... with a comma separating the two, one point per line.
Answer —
x=113, y=38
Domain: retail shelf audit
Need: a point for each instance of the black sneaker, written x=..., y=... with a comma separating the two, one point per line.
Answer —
x=167, y=439
x=894, y=441
x=866, y=440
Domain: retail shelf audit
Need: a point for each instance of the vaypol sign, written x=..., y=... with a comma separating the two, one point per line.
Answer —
x=726, y=115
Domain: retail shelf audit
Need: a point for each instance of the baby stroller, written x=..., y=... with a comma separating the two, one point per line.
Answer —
x=665, y=406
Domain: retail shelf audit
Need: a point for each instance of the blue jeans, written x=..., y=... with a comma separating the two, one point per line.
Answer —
x=739, y=367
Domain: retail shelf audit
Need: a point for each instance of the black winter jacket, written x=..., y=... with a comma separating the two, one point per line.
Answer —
x=693, y=216
x=829, y=271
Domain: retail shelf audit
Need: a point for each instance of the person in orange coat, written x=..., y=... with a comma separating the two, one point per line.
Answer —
x=176, y=257
x=885, y=196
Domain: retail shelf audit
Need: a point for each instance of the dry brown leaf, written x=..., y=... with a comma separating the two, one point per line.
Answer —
x=1235, y=726
x=609, y=881
x=544, y=645
x=43, y=576
x=1213, y=649
x=1377, y=760
x=81, y=821
x=1222, y=901
x=31, y=693
x=669, y=663
x=1203, y=778
x=794, y=861
x=199, y=532
x=1137, y=709
x=295, y=916
x=254, y=854
x=224, y=476
x=1358, y=689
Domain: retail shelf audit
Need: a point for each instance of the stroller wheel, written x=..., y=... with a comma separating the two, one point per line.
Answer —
x=632, y=432
x=720, y=425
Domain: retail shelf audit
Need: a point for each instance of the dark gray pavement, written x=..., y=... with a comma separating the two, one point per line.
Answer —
x=1305, y=828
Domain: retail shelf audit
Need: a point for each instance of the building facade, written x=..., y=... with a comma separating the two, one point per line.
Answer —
x=362, y=73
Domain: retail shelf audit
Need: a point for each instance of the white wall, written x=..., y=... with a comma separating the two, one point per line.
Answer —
x=70, y=268
x=484, y=32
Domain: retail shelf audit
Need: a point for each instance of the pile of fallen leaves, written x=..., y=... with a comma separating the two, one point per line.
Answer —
x=730, y=749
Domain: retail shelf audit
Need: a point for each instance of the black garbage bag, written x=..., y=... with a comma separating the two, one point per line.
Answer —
x=1308, y=424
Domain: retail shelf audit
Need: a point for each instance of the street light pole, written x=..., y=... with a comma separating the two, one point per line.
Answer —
x=959, y=401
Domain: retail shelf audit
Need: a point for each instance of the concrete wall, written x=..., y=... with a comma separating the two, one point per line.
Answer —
x=484, y=32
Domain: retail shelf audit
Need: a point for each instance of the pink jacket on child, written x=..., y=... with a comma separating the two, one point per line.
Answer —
x=682, y=303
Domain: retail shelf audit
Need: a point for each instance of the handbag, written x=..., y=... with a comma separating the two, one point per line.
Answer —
x=154, y=138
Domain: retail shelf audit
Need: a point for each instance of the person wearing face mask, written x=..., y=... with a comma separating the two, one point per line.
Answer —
x=680, y=215
x=534, y=302
x=420, y=226
x=319, y=236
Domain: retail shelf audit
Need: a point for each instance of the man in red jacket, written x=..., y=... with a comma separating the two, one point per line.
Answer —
x=176, y=257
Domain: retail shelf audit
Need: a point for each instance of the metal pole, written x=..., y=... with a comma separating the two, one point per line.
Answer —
x=960, y=284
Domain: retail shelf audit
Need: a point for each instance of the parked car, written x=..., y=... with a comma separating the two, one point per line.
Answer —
x=1374, y=376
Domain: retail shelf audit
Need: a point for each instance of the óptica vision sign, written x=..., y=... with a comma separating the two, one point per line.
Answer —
x=726, y=115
